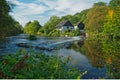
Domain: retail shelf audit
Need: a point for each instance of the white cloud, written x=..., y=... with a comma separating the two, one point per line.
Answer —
x=23, y=10
x=28, y=8
x=43, y=9
x=21, y=19
x=67, y=6
x=31, y=9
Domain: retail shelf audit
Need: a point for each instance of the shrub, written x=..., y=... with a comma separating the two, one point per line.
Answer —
x=36, y=65
x=54, y=33
x=32, y=37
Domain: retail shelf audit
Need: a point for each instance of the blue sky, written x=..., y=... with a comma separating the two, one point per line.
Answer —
x=41, y=10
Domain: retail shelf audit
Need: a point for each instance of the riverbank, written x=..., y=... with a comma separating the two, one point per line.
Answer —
x=29, y=65
x=85, y=55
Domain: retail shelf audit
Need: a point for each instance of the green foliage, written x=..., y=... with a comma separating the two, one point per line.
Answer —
x=71, y=33
x=114, y=3
x=32, y=27
x=38, y=66
x=104, y=53
x=32, y=37
x=55, y=33
x=111, y=29
x=41, y=32
x=108, y=36
x=99, y=4
x=81, y=16
x=4, y=8
x=77, y=32
x=49, y=28
x=95, y=18
x=100, y=24
x=8, y=26
x=50, y=25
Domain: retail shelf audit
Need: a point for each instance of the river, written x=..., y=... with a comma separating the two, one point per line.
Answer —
x=83, y=55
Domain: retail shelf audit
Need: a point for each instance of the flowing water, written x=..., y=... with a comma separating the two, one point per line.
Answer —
x=83, y=55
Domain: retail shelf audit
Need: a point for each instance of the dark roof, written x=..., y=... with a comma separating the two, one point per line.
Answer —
x=80, y=25
x=64, y=23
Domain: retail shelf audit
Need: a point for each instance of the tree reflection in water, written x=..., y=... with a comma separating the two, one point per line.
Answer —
x=103, y=53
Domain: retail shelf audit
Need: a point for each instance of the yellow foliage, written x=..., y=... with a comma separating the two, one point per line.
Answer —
x=109, y=60
x=110, y=13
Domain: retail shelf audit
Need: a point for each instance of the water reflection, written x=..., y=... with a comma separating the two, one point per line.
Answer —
x=93, y=52
x=102, y=55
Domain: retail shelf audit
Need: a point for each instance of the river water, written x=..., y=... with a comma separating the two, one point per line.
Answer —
x=69, y=46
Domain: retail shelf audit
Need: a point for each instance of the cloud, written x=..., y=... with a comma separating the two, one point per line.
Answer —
x=43, y=9
x=24, y=11
x=28, y=8
x=67, y=6
x=21, y=19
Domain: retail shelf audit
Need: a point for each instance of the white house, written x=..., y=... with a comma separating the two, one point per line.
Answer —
x=65, y=25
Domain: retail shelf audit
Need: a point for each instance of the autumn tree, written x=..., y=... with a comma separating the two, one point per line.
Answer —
x=95, y=18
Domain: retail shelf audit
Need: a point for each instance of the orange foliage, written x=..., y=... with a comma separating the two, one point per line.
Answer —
x=109, y=60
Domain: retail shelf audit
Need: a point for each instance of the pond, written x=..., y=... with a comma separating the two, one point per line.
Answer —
x=84, y=54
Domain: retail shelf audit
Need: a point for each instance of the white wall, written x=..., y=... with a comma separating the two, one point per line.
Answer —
x=63, y=28
x=75, y=27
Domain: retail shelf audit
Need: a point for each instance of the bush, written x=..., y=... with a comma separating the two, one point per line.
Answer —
x=36, y=65
x=32, y=37
x=54, y=33
x=71, y=33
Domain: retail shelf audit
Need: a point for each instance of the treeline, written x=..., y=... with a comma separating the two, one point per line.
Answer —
x=102, y=20
x=49, y=27
x=8, y=26
x=103, y=42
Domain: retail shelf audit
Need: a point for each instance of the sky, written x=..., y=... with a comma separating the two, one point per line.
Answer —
x=42, y=10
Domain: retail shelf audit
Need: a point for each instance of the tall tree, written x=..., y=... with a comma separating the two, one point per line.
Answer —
x=7, y=23
x=95, y=18
x=111, y=29
x=50, y=25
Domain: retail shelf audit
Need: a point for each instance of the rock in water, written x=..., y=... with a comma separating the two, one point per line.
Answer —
x=25, y=45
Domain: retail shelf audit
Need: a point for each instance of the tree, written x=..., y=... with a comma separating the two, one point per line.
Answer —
x=74, y=19
x=67, y=17
x=111, y=29
x=114, y=3
x=4, y=8
x=95, y=18
x=50, y=25
x=27, y=23
x=32, y=27
x=7, y=23
x=99, y=4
